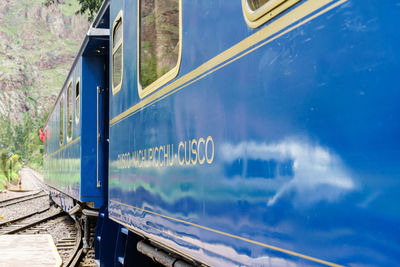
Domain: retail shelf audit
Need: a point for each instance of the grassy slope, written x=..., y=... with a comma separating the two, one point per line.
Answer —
x=37, y=48
x=31, y=42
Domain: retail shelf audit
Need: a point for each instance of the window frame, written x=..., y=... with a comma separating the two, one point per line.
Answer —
x=70, y=109
x=62, y=125
x=266, y=12
x=116, y=89
x=77, y=118
x=171, y=74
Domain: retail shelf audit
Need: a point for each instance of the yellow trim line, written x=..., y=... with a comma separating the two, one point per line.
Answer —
x=266, y=12
x=63, y=147
x=235, y=52
x=237, y=237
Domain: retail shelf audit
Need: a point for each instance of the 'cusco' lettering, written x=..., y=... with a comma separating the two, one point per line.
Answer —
x=187, y=153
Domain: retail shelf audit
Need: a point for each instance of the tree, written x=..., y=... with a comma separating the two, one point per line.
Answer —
x=92, y=6
x=89, y=6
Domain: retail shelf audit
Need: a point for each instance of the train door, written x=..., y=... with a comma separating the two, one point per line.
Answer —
x=95, y=133
x=102, y=131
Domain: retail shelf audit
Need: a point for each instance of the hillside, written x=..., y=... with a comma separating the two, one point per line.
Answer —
x=37, y=47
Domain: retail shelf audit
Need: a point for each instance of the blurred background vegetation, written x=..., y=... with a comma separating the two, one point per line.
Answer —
x=20, y=145
x=89, y=7
x=35, y=58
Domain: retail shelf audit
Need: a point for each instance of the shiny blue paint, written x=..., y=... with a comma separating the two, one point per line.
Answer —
x=305, y=133
x=93, y=73
x=105, y=238
x=120, y=100
x=72, y=169
x=62, y=166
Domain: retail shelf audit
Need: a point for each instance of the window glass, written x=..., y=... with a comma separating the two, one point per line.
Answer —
x=117, y=33
x=117, y=63
x=77, y=102
x=117, y=66
x=256, y=4
x=159, y=39
x=69, y=111
x=62, y=120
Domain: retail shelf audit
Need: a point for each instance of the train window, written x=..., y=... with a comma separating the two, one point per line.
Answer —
x=69, y=111
x=117, y=54
x=257, y=12
x=77, y=102
x=159, y=42
x=62, y=120
x=256, y=4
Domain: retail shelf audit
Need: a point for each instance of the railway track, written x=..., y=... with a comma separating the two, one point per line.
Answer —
x=17, y=220
x=27, y=221
x=38, y=182
x=17, y=200
x=65, y=231
x=88, y=259
x=30, y=215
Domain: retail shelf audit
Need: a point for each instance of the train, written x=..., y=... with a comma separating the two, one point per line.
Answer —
x=233, y=133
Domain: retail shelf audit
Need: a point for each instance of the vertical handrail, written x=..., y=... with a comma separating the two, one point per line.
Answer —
x=98, y=136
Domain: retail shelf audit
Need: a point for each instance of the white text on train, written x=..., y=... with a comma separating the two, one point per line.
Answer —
x=185, y=153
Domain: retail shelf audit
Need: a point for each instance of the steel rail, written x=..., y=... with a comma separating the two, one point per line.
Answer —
x=19, y=197
x=2, y=205
x=77, y=250
x=24, y=227
x=23, y=217
x=39, y=183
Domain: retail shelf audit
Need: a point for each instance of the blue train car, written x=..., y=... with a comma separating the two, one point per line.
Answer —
x=254, y=133
x=234, y=133
x=76, y=144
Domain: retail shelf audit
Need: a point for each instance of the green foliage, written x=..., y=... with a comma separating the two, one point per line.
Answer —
x=3, y=162
x=3, y=180
x=86, y=6
x=22, y=139
x=148, y=67
x=92, y=6
x=9, y=167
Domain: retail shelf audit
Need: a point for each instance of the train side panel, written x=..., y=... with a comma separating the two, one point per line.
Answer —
x=93, y=172
x=75, y=167
x=62, y=159
x=273, y=146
